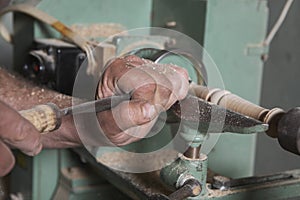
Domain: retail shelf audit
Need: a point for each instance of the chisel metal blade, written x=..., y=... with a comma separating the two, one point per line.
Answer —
x=213, y=118
x=95, y=106
x=192, y=110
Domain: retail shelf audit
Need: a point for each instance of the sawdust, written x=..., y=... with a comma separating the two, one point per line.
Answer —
x=149, y=183
x=128, y=161
x=22, y=94
x=98, y=30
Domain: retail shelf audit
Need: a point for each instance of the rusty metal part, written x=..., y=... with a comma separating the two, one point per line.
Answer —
x=191, y=188
x=159, y=197
x=192, y=152
x=225, y=183
x=194, y=110
x=142, y=186
x=237, y=104
x=209, y=117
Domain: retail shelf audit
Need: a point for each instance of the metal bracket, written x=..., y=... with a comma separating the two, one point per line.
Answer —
x=257, y=50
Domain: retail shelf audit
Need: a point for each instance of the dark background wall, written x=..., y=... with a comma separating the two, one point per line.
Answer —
x=281, y=84
x=5, y=48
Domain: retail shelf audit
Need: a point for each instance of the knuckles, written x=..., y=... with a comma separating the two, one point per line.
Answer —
x=149, y=86
x=21, y=132
x=17, y=132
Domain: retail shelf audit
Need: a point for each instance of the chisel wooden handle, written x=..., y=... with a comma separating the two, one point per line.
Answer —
x=45, y=118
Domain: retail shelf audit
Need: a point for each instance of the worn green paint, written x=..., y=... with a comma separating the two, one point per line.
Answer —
x=45, y=174
x=284, y=189
x=130, y=13
x=84, y=185
x=230, y=31
x=189, y=16
x=183, y=167
x=35, y=177
x=231, y=26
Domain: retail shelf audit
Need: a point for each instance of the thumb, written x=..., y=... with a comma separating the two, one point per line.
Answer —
x=126, y=115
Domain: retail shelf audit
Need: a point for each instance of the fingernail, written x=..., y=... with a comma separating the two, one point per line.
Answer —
x=149, y=111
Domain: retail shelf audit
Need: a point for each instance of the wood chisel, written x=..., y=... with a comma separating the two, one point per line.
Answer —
x=192, y=110
x=48, y=117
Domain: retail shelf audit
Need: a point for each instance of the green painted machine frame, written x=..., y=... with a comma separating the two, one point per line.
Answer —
x=230, y=31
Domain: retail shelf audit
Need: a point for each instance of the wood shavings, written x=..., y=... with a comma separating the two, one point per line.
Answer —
x=22, y=94
x=149, y=182
x=128, y=161
x=98, y=30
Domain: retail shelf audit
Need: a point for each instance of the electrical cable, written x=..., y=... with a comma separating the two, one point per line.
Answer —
x=68, y=33
x=278, y=23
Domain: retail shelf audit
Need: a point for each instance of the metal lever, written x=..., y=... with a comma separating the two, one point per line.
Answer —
x=224, y=183
x=191, y=188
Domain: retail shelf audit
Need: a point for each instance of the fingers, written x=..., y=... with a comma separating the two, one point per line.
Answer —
x=108, y=83
x=135, y=61
x=158, y=84
x=17, y=132
x=127, y=114
x=124, y=75
x=132, y=134
x=136, y=78
x=116, y=122
x=180, y=81
x=7, y=160
x=24, y=137
x=153, y=88
x=171, y=85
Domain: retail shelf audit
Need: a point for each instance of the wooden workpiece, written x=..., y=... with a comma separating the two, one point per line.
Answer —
x=22, y=94
x=237, y=104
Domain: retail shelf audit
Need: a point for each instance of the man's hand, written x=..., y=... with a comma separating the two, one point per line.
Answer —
x=153, y=87
x=15, y=132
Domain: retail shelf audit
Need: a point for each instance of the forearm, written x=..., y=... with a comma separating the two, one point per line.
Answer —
x=65, y=137
x=21, y=94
